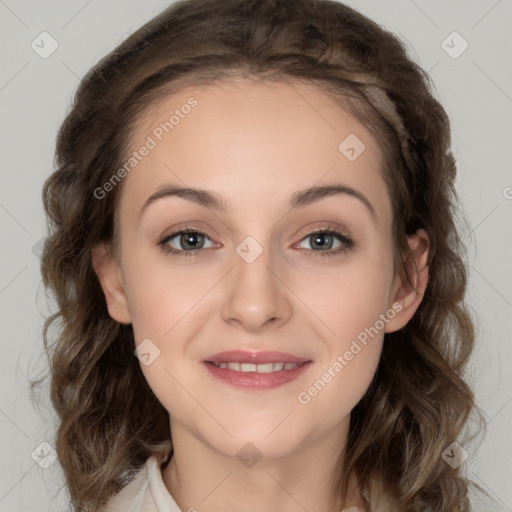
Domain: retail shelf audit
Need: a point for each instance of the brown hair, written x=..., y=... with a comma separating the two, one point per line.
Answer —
x=418, y=403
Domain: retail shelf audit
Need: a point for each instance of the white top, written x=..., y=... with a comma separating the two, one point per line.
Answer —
x=145, y=493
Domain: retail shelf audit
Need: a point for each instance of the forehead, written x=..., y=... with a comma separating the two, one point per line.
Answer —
x=253, y=142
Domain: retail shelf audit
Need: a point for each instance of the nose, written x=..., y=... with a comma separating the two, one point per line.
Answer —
x=256, y=295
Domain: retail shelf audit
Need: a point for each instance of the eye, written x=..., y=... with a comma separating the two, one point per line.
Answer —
x=190, y=242
x=323, y=239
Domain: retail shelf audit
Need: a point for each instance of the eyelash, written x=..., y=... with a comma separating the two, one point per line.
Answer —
x=347, y=244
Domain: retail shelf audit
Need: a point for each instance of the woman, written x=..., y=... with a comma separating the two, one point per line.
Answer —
x=258, y=271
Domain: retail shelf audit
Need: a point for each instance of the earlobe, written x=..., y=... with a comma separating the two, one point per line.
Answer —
x=109, y=274
x=407, y=296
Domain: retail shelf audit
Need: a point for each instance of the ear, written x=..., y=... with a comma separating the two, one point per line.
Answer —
x=407, y=296
x=108, y=270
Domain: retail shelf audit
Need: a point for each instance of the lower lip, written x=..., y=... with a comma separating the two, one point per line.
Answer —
x=255, y=380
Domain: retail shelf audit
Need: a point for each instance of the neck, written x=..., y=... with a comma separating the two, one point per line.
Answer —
x=199, y=477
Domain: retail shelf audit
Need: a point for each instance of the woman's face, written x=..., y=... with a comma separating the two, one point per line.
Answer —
x=263, y=280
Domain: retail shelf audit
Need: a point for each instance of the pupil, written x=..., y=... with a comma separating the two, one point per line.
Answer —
x=189, y=240
x=318, y=237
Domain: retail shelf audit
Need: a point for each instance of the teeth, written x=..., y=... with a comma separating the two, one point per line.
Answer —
x=259, y=368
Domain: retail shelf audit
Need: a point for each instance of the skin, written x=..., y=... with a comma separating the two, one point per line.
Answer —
x=255, y=144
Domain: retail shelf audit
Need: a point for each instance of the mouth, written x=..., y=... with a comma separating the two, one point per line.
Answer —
x=256, y=370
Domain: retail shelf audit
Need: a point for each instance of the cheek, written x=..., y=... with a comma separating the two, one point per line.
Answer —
x=353, y=348
x=161, y=295
x=347, y=300
x=349, y=305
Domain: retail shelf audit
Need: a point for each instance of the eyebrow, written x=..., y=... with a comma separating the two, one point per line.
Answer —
x=299, y=199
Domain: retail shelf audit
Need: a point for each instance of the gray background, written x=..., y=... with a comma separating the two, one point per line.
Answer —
x=475, y=88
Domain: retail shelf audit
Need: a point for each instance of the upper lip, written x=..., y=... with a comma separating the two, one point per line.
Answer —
x=243, y=356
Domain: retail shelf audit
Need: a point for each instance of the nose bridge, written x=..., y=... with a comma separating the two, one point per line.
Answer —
x=255, y=295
